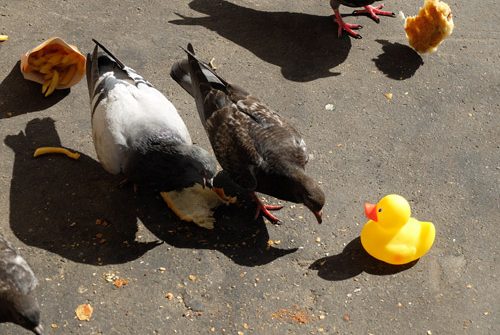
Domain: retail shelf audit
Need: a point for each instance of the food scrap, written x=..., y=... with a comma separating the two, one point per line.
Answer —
x=212, y=64
x=3, y=38
x=84, y=312
x=55, y=64
x=120, y=282
x=196, y=204
x=56, y=150
x=430, y=27
x=296, y=315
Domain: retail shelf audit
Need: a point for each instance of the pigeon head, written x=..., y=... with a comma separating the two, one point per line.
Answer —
x=167, y=167
x=311, y=195
x=22, y=310
x=203, y=164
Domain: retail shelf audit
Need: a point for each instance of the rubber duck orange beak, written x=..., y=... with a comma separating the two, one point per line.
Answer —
x=371, y=211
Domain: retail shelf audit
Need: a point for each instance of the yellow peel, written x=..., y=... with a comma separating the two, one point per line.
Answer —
x=55, y=150
x=3, y=38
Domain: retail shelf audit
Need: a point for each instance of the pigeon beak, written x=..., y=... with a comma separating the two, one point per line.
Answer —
x=371, y=211
x=38, y=330
x=208, y=183
x=318, y=216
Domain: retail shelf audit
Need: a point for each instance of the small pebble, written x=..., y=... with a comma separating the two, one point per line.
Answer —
x=329, y=107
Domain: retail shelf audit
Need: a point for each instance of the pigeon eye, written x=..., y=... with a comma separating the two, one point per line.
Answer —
x=380, y=210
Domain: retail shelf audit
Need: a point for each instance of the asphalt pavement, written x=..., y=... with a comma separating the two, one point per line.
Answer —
x=436, y=142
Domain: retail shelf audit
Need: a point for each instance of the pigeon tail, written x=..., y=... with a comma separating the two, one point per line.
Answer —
x=117, y=61
x=100, y=63
x=204, y=90
x=180, y=73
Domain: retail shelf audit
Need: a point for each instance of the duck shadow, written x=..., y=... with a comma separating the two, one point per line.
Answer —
x=304, y=46
x=75, y=209
x=353, y=261
x=398, y=61
x=236, y=234
x=21, y=96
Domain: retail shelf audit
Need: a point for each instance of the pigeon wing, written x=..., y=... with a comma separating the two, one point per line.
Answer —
x=15, y=273
x=275, y=140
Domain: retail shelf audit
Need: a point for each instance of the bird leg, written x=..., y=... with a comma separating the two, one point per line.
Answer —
x=373, y=11
x=348, y=27
x=265, y=210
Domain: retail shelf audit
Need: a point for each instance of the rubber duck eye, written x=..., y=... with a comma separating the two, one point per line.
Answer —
x=380, y=210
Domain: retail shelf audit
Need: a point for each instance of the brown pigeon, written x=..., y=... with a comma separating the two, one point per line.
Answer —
x=259, y=150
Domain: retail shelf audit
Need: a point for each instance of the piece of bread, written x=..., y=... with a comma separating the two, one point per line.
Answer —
x=196, y=204
x=430, y=27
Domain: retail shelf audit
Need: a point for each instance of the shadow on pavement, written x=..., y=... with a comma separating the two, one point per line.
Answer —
x=305, y=46
x=398, y=61
x=236, y=233
x=55, y=204
x=353, y=261
x=21, y=96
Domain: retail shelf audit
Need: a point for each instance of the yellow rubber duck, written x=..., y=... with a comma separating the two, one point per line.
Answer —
x=392, y=235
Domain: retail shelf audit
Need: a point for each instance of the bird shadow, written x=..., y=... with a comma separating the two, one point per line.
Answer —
x=236, y=233
x=304, y=46
x=353, y=261
x=398, y=61
x=75, y=209
x=69, y=207
x=21, y=96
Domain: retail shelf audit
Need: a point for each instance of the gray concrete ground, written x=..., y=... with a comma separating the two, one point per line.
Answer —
x=436, y=143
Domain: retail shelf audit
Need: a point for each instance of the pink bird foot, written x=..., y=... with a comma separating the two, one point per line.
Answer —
x=373, y=11
x=348, y=27
x=265, y=210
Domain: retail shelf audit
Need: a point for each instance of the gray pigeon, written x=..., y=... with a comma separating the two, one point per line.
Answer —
x=17, y=281
x=259, y=150
x=137, y=130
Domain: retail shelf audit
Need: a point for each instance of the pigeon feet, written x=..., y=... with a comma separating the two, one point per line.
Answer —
x=348, y=27
x=265, y=210
x=373, y=11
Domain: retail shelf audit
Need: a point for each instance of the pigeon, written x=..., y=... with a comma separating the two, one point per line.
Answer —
x=17, y=282
x=368, y=9
x=258, y=149
x=138, y=132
